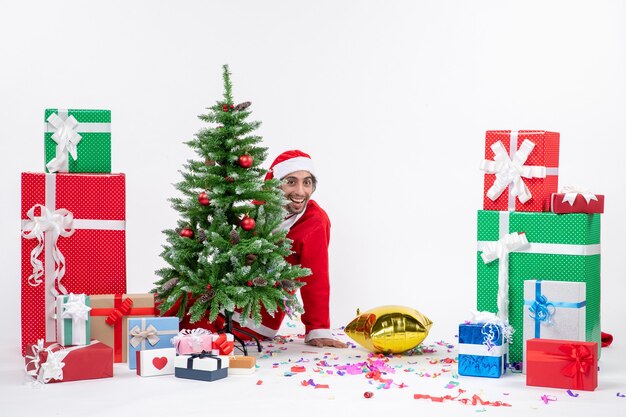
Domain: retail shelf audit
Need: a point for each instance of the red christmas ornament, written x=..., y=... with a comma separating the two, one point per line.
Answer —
x=368, y=394
x=208, y=287
x=203, y=199
x=245, y=161
x=229, y=179
x=225, y=107
x=249, y=283
x=186, y=232
x=247, y=223
x=232, y=106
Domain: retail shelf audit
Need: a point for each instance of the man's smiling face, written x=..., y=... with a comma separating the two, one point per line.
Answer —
x=298, y=187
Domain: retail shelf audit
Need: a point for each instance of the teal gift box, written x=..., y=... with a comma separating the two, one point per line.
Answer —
x=148, y=333
x=561, y=247
x=73, y=320
x=77, y=140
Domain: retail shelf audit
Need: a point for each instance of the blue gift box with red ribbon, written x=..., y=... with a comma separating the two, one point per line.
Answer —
x=554, y=310
x=483, y=350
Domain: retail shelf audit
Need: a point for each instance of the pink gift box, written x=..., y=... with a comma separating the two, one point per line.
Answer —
x=188, y=342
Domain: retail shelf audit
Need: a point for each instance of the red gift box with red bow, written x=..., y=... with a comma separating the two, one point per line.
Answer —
x=564, y=364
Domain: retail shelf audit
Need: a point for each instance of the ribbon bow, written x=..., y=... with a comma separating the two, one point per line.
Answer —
x=492, y=328
x=118, y=313
x=52, y=368
x=541, y=309
x=580, y=360
x=500, y=250
x=571, y=192
x=66, y=138
x=75, y=308
x=193, y=338
x=139, y=335
x=55, y=223
x=511, y=171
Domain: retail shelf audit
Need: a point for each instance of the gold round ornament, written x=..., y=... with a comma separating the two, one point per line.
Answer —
x=389, y=329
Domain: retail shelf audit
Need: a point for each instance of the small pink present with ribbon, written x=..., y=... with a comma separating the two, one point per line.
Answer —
x=188, y=342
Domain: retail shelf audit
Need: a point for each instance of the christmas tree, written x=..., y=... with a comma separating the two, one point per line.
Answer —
x=228, y=251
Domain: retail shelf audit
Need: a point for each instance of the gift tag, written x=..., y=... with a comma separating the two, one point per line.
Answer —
x=155, y=362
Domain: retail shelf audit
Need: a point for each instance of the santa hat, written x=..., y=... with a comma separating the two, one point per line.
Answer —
x=288, y=162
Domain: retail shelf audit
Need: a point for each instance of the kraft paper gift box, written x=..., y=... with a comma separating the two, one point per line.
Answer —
x=560, y=247
x=482, y=350
x=577, y=202
x=554, y=310
x=188, y=341
x=241, y=365
x=51, y=362
x=563, y=364
x=73, y=240
x=201, y=366
x=73, y=326
x=149, y=333
x=155, y=362
x=521, y=170
x=109, y=315
x=77, y=140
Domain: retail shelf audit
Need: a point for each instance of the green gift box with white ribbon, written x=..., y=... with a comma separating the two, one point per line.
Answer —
x=72, y=316
x=77, y=140
x=518, y=246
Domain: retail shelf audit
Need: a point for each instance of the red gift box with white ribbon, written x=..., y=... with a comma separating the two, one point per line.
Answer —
x=575, y=200
x=521, y=170
x=73, y=240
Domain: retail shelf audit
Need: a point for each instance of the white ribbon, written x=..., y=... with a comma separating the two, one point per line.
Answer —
x=571, y=192
x=66, y=138
x=52, y=368
x=500, y=250
x=140, y=336
x=76, y=308
x=481, y=350
x=490, y=319
x=55, y=223
x=510, y=170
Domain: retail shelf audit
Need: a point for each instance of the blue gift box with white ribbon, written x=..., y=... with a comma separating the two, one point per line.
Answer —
x=483, y=350
x=148, y=333
x=554, y=310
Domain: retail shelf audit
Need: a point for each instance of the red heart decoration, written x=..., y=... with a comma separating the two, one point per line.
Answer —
x=159, y=363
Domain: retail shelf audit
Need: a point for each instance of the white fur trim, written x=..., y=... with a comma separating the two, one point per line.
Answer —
x=318, y=334
x=299, y=163
x=260, y=329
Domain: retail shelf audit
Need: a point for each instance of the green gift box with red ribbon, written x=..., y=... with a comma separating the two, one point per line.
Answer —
x=517, y=246
x=562, y=364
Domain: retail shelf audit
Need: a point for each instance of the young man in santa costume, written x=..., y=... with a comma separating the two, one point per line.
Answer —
x=309, y=228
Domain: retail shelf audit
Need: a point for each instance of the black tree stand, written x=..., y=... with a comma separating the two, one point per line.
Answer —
x=228, y=328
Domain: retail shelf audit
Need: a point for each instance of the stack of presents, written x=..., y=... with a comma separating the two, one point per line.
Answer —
x=538, y=269
x=75, y=309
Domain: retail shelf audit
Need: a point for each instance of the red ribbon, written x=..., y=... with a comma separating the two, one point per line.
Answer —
x=580, y=361
x=114, y=319
x=224, y=346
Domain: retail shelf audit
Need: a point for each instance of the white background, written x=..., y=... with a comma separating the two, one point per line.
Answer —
x=391, y=99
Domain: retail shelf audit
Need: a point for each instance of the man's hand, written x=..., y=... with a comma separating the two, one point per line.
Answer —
x=324, y=341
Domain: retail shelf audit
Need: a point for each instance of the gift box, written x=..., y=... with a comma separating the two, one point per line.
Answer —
x=149, y=333
x=562, y=364
x=201, y=366
x=188, y=341
x=554, y=310
x=521, y=170
x=241, y=365
x=51, y=362
x=223, y=344
x=482, y=350
x=73, y=326
x=77, y=140
x=155, y=362
x=73, y=240
x=561, y=248
x=109, y=315
x=577, y=202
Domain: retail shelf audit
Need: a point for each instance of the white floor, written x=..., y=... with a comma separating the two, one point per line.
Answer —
x=270, y=391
